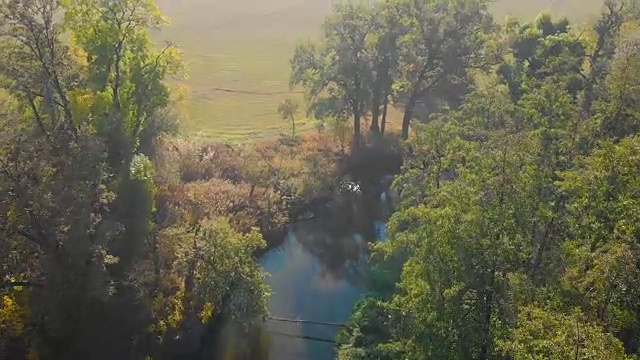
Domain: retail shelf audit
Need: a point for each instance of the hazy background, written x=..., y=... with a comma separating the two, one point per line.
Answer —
x=238, y=51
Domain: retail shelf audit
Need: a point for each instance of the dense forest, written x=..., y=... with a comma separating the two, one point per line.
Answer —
x=516, y=231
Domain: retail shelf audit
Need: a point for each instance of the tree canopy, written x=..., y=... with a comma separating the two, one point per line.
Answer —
x=88, y=267
x=515, y=235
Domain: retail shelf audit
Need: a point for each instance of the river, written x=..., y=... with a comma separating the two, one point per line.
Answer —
x=316, y=275
x=313, y=278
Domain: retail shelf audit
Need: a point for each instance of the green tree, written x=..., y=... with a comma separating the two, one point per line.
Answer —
x=218, y=277
x=602, y=251
x=336, y=75
x=606, y=33
x=129, y=98
x=123, y=67
x=78, y=218
x=515, y=233
x=616, y=113
x=383, y=46
x=547, y=335
x=57, y=185
x=443, y=41
x=541, y=50
x=287, y=109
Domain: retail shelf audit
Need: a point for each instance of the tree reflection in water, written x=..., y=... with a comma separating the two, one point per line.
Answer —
x=317, y=274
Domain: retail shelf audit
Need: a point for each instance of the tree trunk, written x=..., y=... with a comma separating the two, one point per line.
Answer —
x=356, y=126
x=536, y=274
x=488, y=312
x=356, y=113
x=408, y=113
x=377, y=94
x=375, y=110
x=385, y=105
x=380, y=91
x=415, y=92
x=612, y=28
x=116, y=81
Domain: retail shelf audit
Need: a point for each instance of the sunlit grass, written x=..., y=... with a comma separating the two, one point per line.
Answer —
x=241, y=46
x=259, y=70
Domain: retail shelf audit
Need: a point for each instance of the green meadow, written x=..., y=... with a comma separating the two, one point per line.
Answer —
x=237, y=54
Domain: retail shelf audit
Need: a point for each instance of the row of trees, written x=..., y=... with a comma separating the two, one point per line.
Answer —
x=91, y=264
x=416, y=55
x=518, y=232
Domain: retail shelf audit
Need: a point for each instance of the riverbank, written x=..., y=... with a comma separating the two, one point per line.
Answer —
x=270, y=184
x=315, y=203
x=316, y=276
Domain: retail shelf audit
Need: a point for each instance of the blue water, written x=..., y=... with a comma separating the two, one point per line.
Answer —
x=303, y=287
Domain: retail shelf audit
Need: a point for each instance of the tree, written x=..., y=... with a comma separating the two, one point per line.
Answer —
x=453, y=293
x=56, y=184
x=217, y=278
x=129, y=97
x=443, y=42
x=416, y=51
x=81, y=238
x=616, y=112
x=36, y=65
x=544, y=334
x=384, y=48
x=124, y=69
x=337, y=75
x=287, y=109
x=515, y=235
x=541, y=50
x=602, y=251
x=606, y=32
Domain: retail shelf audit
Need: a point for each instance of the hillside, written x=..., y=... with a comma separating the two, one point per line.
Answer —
x=237, y=53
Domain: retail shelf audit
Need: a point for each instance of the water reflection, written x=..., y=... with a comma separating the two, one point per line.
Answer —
x=316, y=277
x=318, y=274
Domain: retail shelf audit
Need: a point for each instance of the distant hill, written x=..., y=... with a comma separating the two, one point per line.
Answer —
x=238, y=51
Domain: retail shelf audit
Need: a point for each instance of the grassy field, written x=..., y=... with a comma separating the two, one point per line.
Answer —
x=237, y=53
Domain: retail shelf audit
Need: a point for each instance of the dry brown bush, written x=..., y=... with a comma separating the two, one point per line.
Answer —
x=252, y=185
